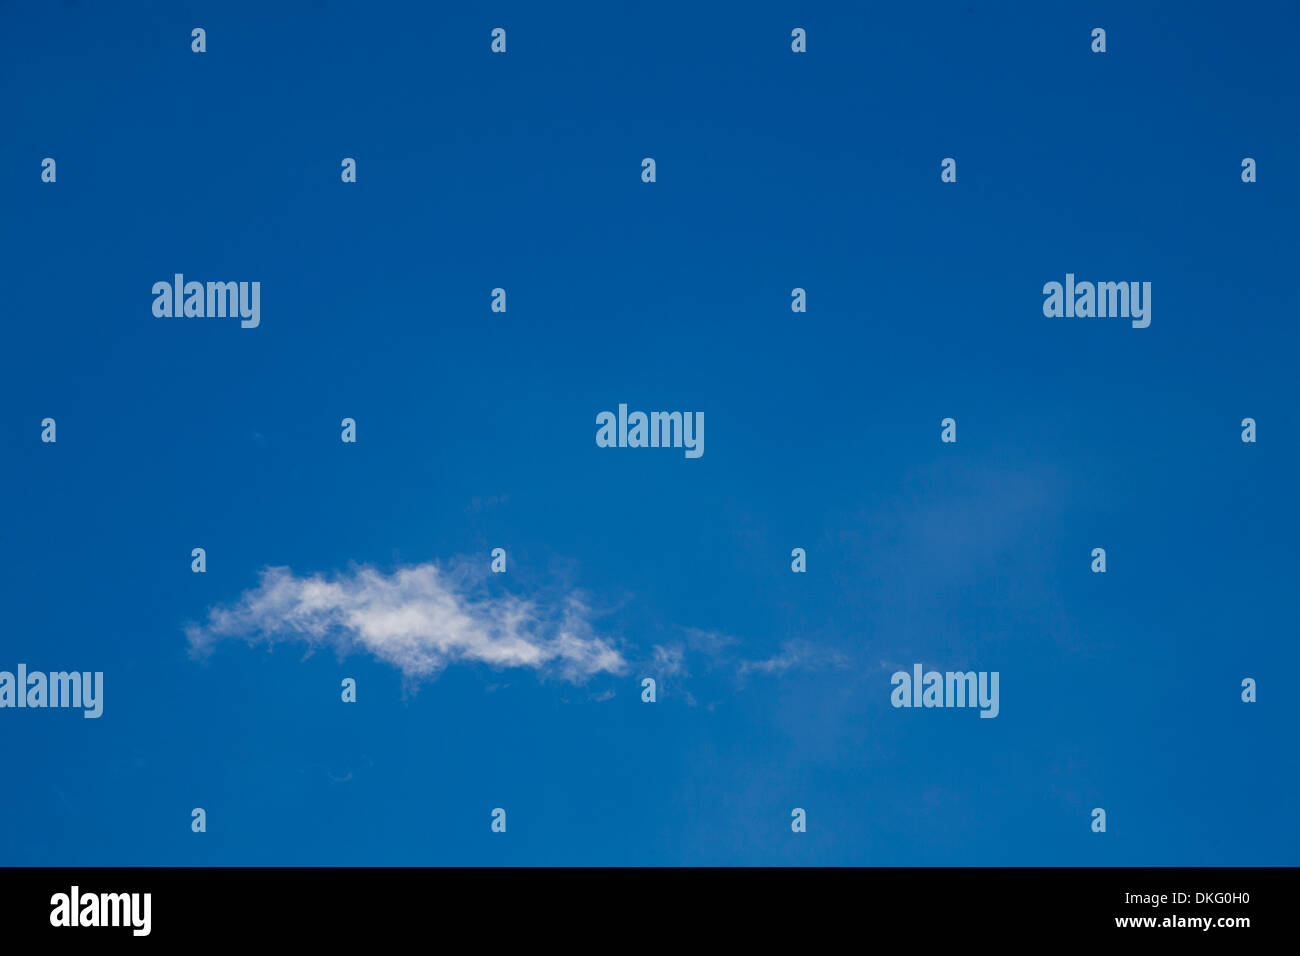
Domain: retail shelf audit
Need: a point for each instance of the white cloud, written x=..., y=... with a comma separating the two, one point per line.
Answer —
x=420, y=619
x=713, y=643
x=670, y=661
x=796, y=656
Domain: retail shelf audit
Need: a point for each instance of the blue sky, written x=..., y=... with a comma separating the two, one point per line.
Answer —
x=476, y=429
